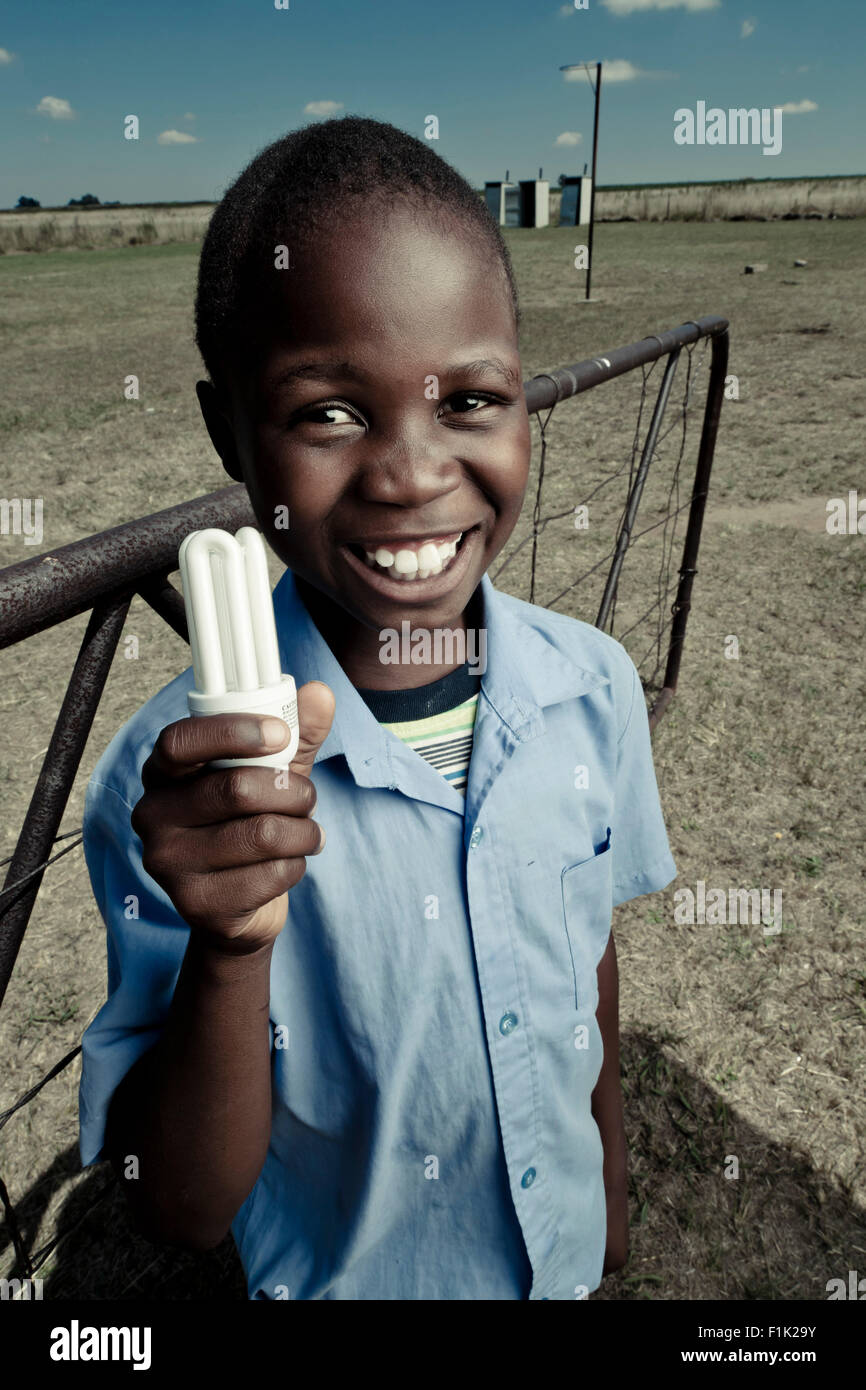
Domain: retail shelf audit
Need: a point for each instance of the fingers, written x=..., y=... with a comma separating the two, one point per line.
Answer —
x=247, y=895
x=250, y=841
x=188, y=744
x=222, y=794
x=316, y=705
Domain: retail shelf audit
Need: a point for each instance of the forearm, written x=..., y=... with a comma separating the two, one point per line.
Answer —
x=607, y=1110
x=195, y=1111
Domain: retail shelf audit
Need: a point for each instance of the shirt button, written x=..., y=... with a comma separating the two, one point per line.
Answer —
x=528, y=1178
x=475, y=837
x=508, y=1023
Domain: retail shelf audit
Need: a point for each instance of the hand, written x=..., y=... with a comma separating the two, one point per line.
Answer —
x=616, y=1247
x=227, y=844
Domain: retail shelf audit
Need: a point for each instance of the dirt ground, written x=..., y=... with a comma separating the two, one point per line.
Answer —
x=736, y=1044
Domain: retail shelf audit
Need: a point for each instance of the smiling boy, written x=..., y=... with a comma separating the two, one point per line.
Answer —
x=390, y=1068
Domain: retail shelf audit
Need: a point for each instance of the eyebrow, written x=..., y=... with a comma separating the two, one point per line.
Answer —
x=325, y=371
x=489, y=366
x=318, y=371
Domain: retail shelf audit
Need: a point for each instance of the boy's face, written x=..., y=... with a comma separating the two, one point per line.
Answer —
x=386, y=412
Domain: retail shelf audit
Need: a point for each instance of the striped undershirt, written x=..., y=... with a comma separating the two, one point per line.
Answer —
x=436, y=720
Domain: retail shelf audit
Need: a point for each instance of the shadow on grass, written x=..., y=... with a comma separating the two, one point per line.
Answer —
x=101, y=1256
x=780, y=1230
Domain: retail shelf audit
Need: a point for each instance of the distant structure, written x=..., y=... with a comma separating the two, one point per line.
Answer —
x=523, y=204
x=534, y=202
x=503, y=202
x=574, y=210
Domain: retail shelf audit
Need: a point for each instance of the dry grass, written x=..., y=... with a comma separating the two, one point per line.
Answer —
x=759, y=200
x=733, y=1043
x=89, y=229
x=86, y=229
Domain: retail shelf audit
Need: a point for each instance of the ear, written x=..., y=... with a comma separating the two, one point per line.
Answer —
x=219, y=428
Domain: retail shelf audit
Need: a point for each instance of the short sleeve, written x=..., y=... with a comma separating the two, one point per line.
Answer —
x=642, y=860
x=146, y=944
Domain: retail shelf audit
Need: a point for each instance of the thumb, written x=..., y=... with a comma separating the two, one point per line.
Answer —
x=316, y=705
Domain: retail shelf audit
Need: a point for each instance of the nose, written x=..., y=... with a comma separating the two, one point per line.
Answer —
x=409, y=471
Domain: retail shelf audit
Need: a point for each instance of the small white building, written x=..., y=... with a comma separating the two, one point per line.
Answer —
x=503, y=200
x=534, y=202
x=576, y=199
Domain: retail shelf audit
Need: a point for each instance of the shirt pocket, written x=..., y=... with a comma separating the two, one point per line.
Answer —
x=587, y=904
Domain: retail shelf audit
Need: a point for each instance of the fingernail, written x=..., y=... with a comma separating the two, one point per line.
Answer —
x=273, y=733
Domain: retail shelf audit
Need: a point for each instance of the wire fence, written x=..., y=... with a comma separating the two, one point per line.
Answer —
x=591, y=527
x=609, y=563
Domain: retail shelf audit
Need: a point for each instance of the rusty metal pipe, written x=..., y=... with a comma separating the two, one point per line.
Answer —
x=700, y=488
x=35, y=594
x=58, y=770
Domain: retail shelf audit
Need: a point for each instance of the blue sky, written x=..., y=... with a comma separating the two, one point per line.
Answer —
x=211, y=83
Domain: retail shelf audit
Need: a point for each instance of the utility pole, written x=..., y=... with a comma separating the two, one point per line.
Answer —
x=596, y=86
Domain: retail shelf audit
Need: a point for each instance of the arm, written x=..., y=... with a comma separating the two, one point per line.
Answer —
x=608, y=1114
x=195, y=1110
x=226, y=845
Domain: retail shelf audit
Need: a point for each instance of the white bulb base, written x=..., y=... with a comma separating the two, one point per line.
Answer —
x=280, y=700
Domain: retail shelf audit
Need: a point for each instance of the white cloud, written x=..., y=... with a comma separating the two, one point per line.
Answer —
x=5, y=56
x=799, y=108
x=641, y=6
x=57, y=108
x=612, y=70
x=749, y=27
x=620, y=70
x=322, y=108
x=569, y=137
x=176, y=137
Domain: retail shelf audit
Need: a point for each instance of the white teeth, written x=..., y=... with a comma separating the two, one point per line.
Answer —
x=429, y=560
x=406, y=562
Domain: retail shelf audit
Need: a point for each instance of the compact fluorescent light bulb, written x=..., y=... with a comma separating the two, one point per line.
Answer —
x=233, y=636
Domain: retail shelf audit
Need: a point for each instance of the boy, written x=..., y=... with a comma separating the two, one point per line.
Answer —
x=390, y=1069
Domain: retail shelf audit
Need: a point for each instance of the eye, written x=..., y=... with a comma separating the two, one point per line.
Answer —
x=468, y=402
x=327, y=413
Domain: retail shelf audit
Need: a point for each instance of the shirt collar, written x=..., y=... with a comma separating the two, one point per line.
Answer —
x=525, y=673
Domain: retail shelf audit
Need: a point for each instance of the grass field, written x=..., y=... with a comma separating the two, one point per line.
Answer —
x=734, y=1044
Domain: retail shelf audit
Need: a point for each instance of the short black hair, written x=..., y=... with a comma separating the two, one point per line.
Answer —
x=300, y=184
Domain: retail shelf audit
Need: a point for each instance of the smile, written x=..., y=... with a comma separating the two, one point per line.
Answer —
x=414, y=561
x=430, y=565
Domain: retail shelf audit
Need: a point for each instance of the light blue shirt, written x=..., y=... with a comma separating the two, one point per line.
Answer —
x=434, y=1045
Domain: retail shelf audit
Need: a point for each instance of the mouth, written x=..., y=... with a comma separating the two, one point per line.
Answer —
x=410, y=569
